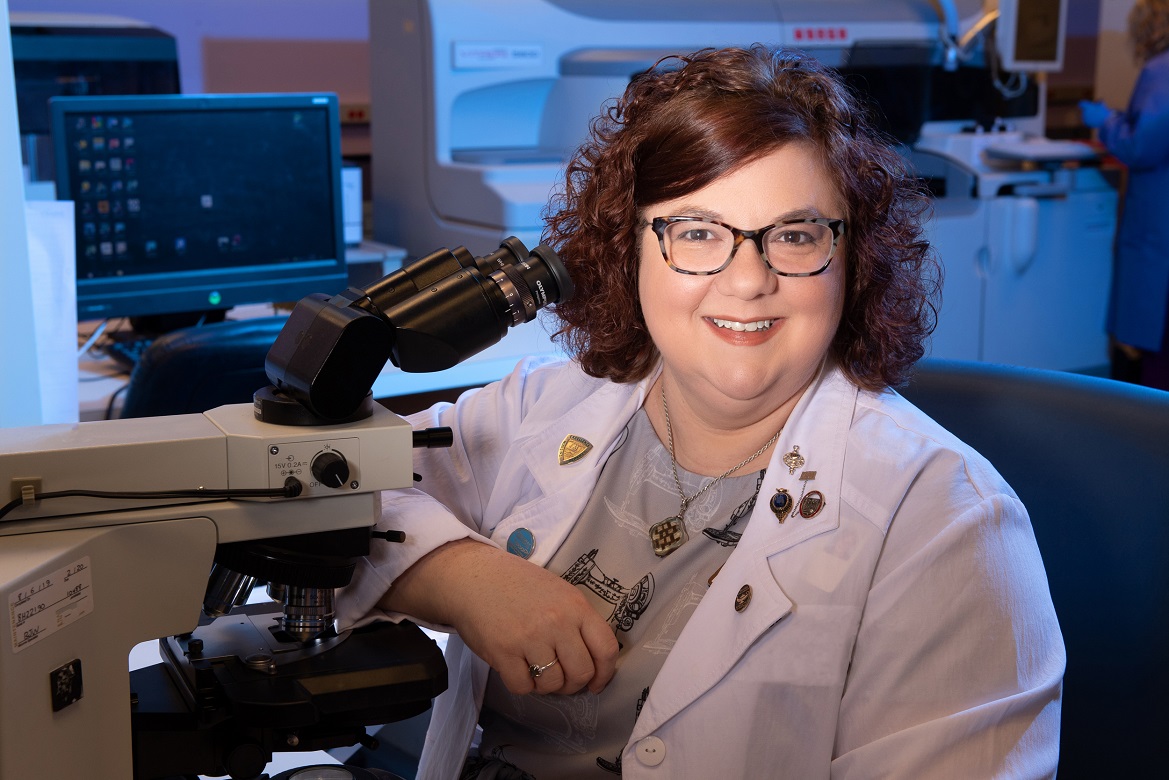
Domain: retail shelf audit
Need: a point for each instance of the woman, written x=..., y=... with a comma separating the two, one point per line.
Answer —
x=717, y=543
x=1138, y=314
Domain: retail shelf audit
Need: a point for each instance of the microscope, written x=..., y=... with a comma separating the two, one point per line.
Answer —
x=126, y=531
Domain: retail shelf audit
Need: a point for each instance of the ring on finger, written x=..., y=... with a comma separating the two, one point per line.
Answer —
x=536, y=671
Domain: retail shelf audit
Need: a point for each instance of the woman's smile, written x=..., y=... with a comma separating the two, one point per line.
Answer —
x=741, y=327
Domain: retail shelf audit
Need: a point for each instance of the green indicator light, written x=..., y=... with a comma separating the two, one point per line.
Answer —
x=214, y=298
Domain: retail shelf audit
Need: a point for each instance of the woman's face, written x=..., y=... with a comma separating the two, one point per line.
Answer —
x=746, y=337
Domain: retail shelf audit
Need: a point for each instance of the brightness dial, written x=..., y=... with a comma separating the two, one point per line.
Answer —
x=330, y=469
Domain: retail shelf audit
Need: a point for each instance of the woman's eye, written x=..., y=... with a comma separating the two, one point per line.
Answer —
x=791, y=237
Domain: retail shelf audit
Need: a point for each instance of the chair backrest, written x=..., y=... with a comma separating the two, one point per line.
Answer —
x=198, y=368
x=1089, y=457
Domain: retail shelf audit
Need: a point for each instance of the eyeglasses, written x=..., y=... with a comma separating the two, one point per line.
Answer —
x=793, y=247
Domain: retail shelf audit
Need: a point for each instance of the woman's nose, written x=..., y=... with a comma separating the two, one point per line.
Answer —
x=748, y=274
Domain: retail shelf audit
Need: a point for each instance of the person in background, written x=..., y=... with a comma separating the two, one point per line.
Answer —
x=716, y=542
x=1138, y=314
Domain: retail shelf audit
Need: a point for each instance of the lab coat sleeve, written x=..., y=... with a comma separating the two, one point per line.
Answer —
x=958, y=665
x=448, y=505
x=1139, y=136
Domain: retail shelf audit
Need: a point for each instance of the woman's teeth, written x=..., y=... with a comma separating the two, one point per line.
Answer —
x=743, y=326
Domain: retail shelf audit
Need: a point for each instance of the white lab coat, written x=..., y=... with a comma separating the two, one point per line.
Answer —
x=905, y=631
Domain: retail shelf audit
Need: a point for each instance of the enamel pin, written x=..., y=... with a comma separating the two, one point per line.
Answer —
x=781, y=503
x=521, y=543
x=811, y=504
x=572, y=449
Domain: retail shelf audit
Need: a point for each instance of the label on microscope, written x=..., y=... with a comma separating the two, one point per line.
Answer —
x=49, y=603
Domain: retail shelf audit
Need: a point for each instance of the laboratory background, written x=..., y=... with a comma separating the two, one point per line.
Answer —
x=175, y=175
x=466, y=152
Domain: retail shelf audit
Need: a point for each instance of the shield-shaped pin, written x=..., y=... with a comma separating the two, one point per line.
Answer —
x=572, y=449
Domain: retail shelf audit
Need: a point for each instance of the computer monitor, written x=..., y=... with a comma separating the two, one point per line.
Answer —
x=1030, y=35
x=199, y=203
x=81, y=54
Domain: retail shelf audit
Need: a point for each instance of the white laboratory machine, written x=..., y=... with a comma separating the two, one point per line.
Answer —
x=476, y=105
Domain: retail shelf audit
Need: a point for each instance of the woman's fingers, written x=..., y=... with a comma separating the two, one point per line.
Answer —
x=549, y=676
x=522, y=676
x=515, y=615
x=603, y=648
x=576, y=665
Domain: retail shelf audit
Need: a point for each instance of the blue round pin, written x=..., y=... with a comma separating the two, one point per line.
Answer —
x=521, y=543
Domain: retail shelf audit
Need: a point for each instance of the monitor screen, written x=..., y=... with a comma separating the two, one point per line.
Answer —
x=197, y=203
x=1030, y=35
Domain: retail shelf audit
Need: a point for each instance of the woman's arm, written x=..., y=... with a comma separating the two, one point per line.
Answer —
x=513, y=614
x=1139, y=136
x=450, y=576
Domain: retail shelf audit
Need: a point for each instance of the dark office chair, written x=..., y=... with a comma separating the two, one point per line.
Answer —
x=198, y=368
x=1089, y=457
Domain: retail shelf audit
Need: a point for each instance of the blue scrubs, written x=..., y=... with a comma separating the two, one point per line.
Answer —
x=1139, y=137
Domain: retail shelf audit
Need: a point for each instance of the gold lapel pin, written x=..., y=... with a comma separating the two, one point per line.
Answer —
x=781, y=503
x=572, y=449
x=793, y=460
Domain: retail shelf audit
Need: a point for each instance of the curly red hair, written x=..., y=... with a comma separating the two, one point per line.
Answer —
x=691, y=119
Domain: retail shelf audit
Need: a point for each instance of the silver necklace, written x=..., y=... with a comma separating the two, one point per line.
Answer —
x=670, y=534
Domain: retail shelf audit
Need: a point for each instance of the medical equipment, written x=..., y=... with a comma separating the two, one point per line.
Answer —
x=476, y=105
x=118, y=531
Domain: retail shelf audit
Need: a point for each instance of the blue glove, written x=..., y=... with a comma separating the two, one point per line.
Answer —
x=1094, y=114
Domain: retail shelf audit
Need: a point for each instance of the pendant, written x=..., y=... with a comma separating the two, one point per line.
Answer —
x=668, y=535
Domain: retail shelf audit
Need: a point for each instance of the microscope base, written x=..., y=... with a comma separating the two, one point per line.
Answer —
x=216, y=715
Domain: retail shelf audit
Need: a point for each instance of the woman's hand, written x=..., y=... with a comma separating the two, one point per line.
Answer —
x=513, y=614
x=1094, y=114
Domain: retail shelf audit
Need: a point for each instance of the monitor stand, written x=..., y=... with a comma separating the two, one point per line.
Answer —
x=153, y=325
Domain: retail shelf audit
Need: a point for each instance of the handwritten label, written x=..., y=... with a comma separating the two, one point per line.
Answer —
x=49, y=603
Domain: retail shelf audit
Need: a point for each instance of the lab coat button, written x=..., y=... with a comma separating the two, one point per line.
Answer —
x=651, y=751
x=743, y=598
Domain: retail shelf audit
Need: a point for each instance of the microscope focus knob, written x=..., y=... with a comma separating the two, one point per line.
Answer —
x=331, y=469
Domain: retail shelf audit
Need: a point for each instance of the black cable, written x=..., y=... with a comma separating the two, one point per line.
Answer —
x=113, y=399
x=292, y=488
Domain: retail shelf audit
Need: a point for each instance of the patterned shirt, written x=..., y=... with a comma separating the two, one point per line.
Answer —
x=645, y=598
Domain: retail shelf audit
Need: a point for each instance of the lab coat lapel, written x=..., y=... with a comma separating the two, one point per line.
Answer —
x=718, y=634
x=563, y=490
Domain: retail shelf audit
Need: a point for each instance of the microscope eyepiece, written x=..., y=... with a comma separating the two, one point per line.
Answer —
x=427, y=316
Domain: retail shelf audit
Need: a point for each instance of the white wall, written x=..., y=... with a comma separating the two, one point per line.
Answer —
x=19, y=386
x=1116, y=71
